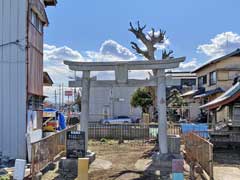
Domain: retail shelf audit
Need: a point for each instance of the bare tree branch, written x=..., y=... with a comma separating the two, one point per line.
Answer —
x=140, y=51
x=138, y=32
x=167, y=54
x=149, y=40
x=157, y=38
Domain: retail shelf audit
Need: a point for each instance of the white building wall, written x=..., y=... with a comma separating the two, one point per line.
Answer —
x=117, y=99
x=13, y=78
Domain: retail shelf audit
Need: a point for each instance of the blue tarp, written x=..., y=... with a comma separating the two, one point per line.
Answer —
x=49, y=110
x=61, y=118
x=62, y=122
x=200, y=129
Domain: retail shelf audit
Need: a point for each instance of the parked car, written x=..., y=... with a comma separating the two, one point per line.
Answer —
x=116, y=120
x=181, y=120
x=136, y=120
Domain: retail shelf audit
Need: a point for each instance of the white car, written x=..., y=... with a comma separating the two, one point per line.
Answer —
x=117, y=120
x=182, y=120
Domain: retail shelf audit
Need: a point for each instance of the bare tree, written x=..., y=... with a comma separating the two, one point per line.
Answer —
x=150, y=40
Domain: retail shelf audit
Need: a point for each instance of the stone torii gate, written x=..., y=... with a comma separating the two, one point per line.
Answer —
x=121, y=69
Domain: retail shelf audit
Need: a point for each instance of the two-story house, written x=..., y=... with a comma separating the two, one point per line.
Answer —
x=22, y=25
x=215, y=77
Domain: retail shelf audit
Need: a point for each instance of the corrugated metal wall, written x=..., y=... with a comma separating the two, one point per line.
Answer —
x=12, y=78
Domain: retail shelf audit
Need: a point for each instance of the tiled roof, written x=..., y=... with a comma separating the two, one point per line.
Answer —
x=210, y=92
x=189, y=93
x=234, y=53
x=229, y=96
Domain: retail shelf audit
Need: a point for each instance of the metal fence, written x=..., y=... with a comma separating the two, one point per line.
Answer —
x=128, y=131
x=118, y=131
x=47, y=149
x=174, y=129
x=225, y=138
x=199, y=150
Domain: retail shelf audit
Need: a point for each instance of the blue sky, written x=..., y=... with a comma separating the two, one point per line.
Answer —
x=86, y=30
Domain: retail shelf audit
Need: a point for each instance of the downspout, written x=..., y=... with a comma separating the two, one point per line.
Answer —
x=27, y=63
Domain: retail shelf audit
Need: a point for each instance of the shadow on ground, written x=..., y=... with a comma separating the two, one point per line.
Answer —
x=226, y=157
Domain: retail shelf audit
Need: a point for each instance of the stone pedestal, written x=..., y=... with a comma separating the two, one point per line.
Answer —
x=69, y=167
x=174, y=143
x=164, y=162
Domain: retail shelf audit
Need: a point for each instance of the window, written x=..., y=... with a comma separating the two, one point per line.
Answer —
x=33, y=18
x=36, y=22
x=188, y=82
x=35, y=102
x=212, y=78
x=202, y=80
x=40, y=27
x=236, y=113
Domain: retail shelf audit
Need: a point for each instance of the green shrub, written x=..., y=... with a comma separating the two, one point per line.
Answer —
x=103, y=140
x=4, y=177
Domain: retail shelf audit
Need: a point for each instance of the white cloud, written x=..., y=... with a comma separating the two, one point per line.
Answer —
x=53, y=62
x=60, y=53
x=111, y=51
x=164, y=45
x=188, y=66
x=220, y=45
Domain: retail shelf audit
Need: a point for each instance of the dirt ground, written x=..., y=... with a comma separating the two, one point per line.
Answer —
x=114, y=161
x=128, y=161
x=122, y=160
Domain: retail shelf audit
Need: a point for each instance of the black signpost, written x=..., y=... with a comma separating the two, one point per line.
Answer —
x=76, y=144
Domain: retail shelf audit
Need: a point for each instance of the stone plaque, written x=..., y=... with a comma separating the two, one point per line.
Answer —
x=76, y=144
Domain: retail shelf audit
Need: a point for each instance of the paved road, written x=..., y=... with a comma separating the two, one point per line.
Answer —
x=226, y=173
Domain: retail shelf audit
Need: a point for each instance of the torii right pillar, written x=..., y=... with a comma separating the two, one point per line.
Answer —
x=162, y=112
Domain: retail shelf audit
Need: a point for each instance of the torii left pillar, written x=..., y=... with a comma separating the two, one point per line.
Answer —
x=162, y=112
x=85, y=105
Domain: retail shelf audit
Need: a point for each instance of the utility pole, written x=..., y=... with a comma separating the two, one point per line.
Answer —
x=59, y=103
x=55, y=96
x=62, y=97
x=73, y=95
x=75, y=78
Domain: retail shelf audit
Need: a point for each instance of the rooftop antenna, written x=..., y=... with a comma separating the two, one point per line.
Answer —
x=227, y=41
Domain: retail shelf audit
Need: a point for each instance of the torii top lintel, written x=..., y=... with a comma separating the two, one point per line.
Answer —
x=129, y=65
